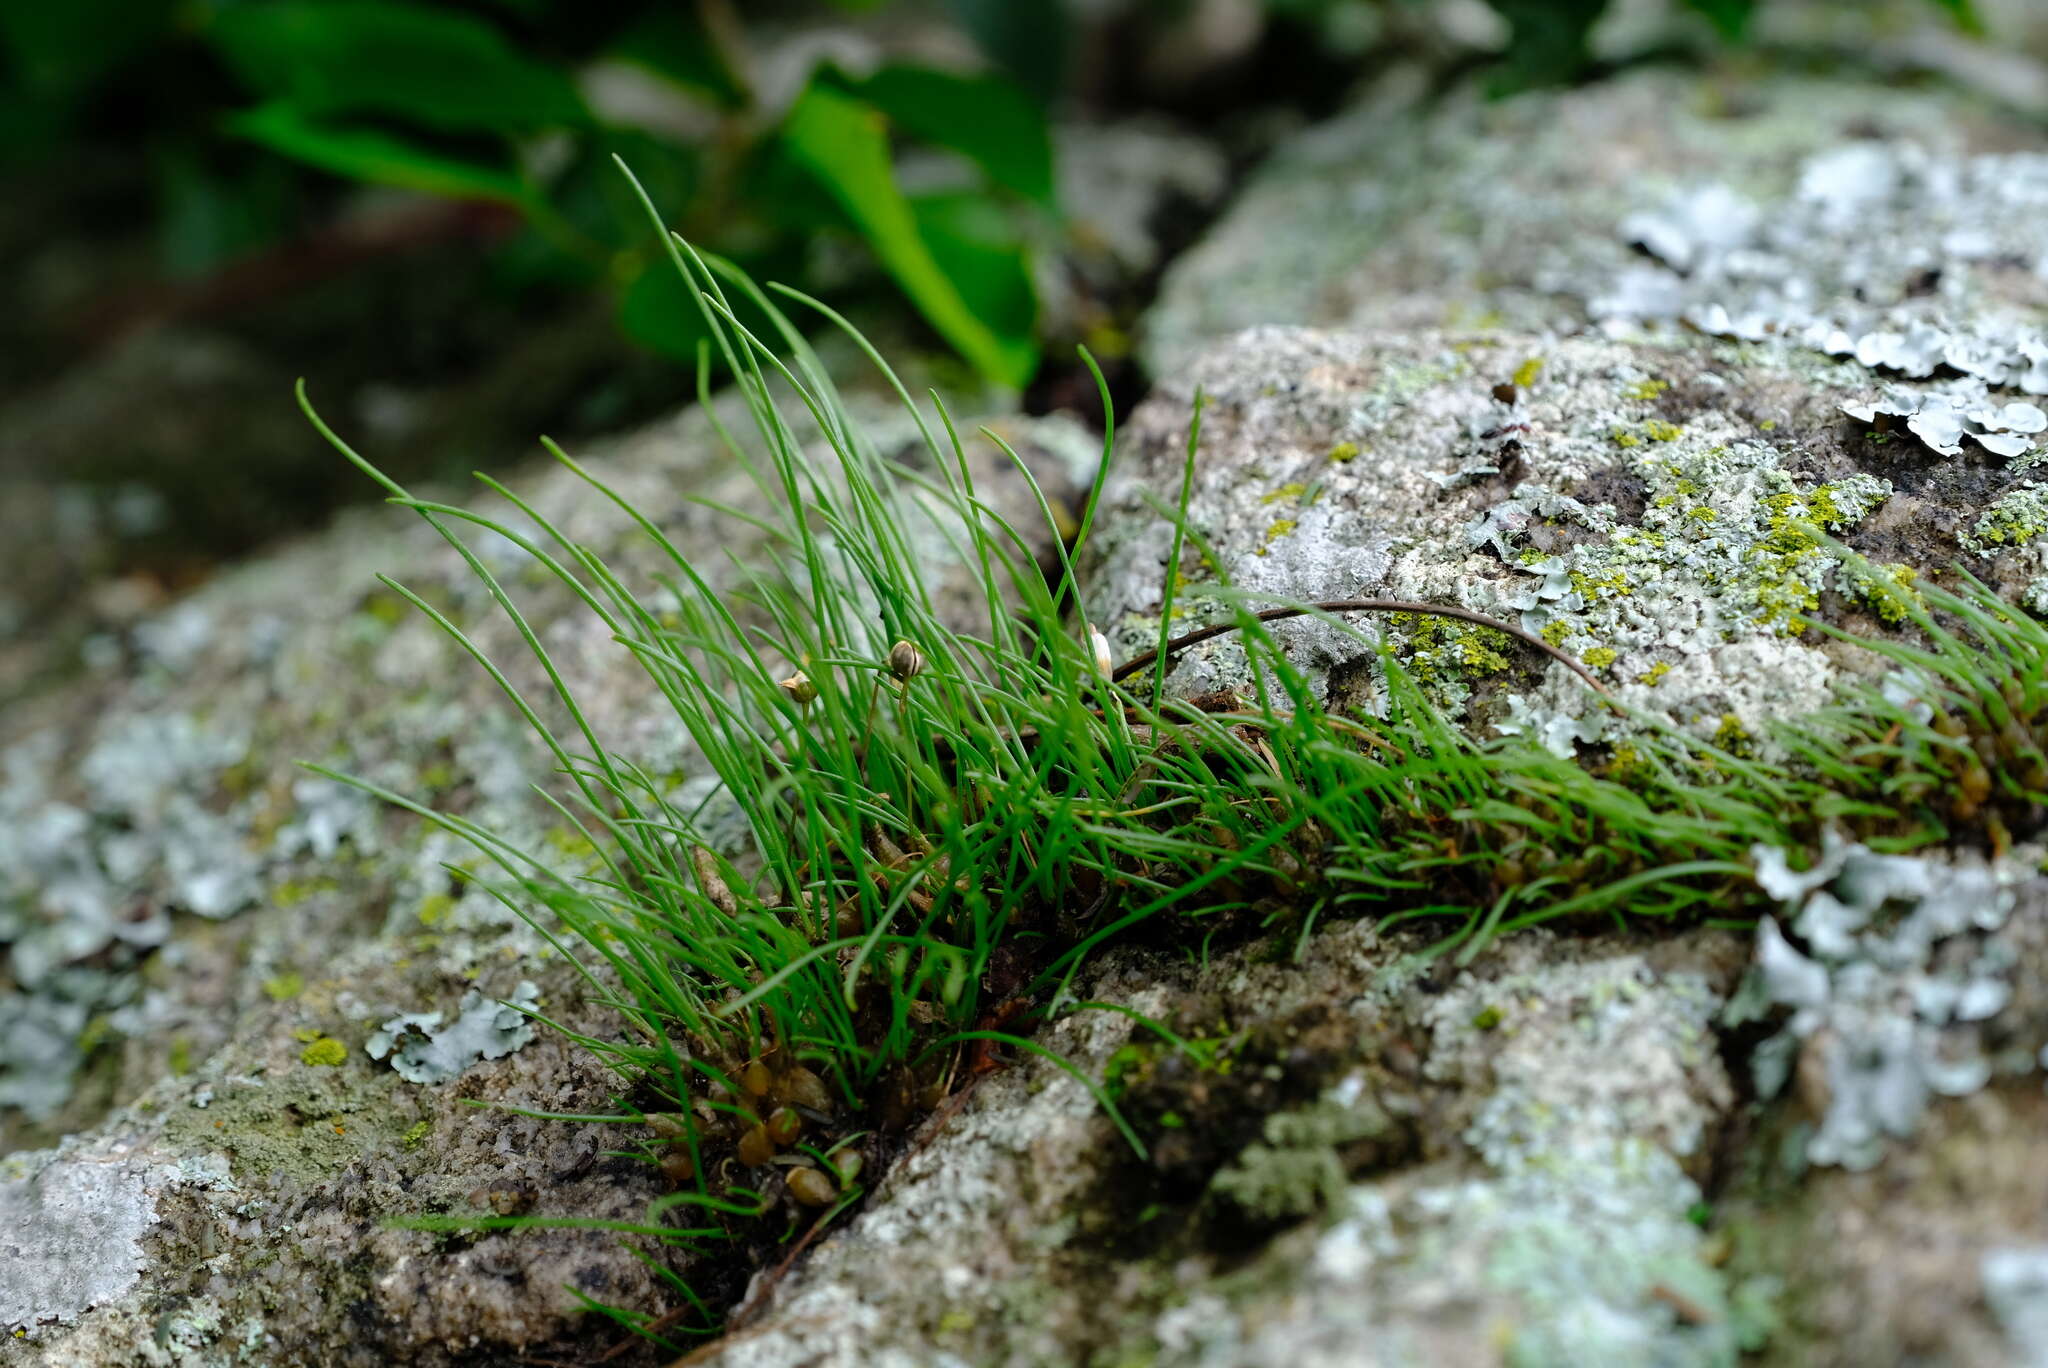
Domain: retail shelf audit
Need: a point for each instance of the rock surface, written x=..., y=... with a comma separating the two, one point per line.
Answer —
x=182, y=903
x=1819, y=1144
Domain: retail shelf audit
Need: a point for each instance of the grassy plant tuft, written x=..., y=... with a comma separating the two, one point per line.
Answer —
x=946, y=818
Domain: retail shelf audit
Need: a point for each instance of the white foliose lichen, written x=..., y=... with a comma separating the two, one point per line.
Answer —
x=422, y=1051
x=1899, y=959
x=1877, y=254
x=2015, y=1281
x=1961, y=410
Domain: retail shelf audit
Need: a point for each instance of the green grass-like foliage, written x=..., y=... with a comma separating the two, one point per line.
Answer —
x=947, y=818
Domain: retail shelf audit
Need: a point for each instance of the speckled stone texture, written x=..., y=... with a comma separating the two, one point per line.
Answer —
x=1501, y=1158
x=1654, y=1148
x=1579, y=1151
x=204, y=934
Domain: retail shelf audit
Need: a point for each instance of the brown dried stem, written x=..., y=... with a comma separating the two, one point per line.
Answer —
x=1182, y=642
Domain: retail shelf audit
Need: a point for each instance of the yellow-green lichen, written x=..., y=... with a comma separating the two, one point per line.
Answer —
x=1293, y=490
x=325, y=1053
x=1735, y=738
x=416, y=1135
x=1657, y=430
x=1655, y=673
x=434, y=909
x=1600, y=657
x=1791, y=559
x=1526, y=373
x=1344, y=451
x=1279, y=528
x=1888, y=591
x=292, y=892
x=284, y=987
x=1592, y=588
x=2015, y=520
x=1646, y=389
x=1628, y=766
x=1443, y=650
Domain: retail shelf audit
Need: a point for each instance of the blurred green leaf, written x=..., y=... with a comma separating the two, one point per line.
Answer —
x=1965, y=14
x=1033, y=42
x=676, y=44
x=1730, y=18
x=433, y=67
x=657, y=311
x=366, y=154
x=976, y=244
x=842, y=143
x=987, y=119
x=592, y=197
x=1547, y=41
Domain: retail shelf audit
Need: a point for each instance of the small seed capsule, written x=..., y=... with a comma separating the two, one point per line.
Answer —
x=712, y=882
x=799, y=1087
x=756, y=1080
x=783, y=1127
x=677, y=1166
x=848, y=1163
x=800, y=690
x=755, y=1147
x=906, y=662
x=811, y=1187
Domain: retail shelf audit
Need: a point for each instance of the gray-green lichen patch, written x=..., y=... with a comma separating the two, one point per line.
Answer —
x=2017, y=520
x=1902, y=965
x=1294, y=1170
x=424, y=1051
x=1556, y=1228
x=2016, y=1289
x=1457, y=212
x=70, y=1236
x=1680, y=560
x=1885, y=250
x=1963, y=409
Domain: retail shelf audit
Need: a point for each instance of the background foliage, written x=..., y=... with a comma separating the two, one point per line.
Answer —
x=251, y=108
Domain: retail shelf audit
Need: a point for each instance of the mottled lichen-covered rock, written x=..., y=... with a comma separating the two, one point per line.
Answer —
x=1644, y=506
x=241, y=1214
x=240, y=954
x=1402, y=1167
x=1605, y=374
x=1532, y=213
x=1614, y=357
x=1664, y=1148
